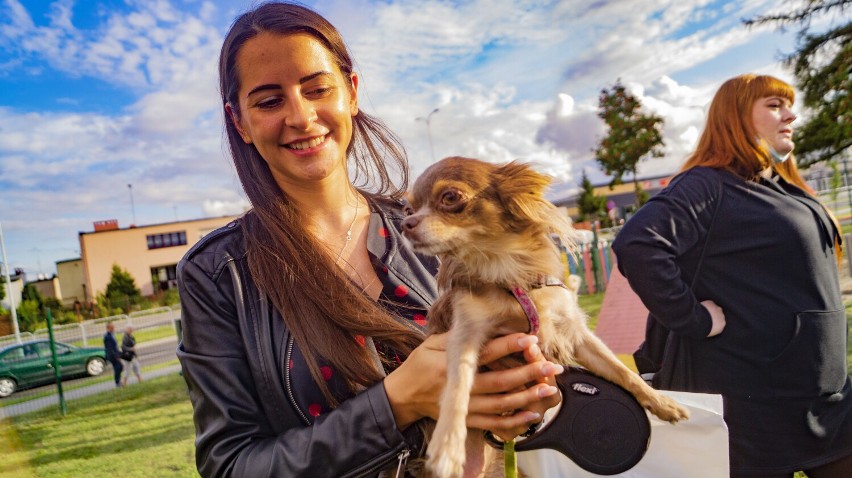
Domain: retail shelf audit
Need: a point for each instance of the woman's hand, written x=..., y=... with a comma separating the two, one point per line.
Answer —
x=717, y=315
x=500, y=400
x=414, y=388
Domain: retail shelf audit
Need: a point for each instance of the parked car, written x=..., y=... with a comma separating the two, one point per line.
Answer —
x=30, y=364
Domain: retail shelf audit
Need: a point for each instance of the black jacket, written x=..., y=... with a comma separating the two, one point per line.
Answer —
x=235, y=352
x=769, y=262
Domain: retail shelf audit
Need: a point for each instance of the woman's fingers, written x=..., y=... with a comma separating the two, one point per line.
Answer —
x=500, y=381
x=506, y=345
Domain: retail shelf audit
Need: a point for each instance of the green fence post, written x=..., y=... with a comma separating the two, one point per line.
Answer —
x=56, y=373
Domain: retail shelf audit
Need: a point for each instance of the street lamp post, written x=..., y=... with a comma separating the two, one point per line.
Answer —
x=9, y=288
x=132, y=208
x=428, y=119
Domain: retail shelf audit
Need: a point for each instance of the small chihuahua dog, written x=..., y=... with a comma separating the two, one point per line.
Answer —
x=492, y=229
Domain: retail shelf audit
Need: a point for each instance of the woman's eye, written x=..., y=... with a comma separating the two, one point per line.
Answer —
x=319, y=92
x=269, y=103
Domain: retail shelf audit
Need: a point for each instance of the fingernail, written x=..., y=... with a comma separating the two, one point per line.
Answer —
x=547, y=391
x=527, y=340
x=532, y=417
x=552, y=369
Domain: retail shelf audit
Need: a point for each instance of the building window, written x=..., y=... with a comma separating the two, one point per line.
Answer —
x=164, y=277
x=169, y=239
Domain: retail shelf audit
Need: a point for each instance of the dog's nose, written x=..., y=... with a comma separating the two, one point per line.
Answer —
x=410, y=223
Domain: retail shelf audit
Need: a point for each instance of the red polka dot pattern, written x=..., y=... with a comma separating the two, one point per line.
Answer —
x=419, y=319
x=326, y=373
x=315, y=409
x=361, y=340
x=400, y=291
x=383, y=232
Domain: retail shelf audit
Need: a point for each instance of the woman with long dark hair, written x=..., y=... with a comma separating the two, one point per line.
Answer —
x=303, y=340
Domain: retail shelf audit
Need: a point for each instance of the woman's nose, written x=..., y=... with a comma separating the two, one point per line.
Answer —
x=300, y=114
x=790, y=116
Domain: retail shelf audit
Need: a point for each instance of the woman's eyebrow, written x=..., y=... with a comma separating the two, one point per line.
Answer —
x=302, y=80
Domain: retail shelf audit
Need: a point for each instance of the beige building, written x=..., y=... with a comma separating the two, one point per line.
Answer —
x=149, y=253
x=70, y=274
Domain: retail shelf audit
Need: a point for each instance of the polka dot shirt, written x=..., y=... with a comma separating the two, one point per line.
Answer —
x=395, y=298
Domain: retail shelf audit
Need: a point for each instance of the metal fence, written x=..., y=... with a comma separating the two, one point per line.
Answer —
x=156, y=333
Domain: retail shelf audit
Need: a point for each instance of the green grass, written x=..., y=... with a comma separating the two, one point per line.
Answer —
x=591, y=304
x=67, y=386
x=136, y=432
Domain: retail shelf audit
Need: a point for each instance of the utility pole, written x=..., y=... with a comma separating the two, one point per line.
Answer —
x=9, y=288
x=428, y=119
x=132, y=208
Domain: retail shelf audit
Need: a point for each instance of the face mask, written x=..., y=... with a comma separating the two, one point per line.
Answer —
x=777, y=158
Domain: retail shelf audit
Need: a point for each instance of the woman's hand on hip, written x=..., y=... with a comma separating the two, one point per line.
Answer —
x=717, y=315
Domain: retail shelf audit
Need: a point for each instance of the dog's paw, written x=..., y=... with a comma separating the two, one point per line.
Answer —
x=445, y=455
x=446, y=465
x=667, y=409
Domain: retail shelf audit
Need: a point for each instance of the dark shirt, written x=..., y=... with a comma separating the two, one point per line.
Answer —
x=110, y=347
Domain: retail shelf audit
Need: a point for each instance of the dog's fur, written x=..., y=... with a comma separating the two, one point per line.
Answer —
x=491, y=227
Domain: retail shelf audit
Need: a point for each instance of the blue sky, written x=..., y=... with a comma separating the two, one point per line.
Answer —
x=99, y=94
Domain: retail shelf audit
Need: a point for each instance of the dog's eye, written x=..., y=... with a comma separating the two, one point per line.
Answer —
x=408, y=210
x=450, y=197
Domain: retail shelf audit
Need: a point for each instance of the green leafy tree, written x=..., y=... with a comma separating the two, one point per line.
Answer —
x=121, y=290
x=31, y=310
x=592, y=207
x=633, y=136
x=29, y=315
x=822, y=65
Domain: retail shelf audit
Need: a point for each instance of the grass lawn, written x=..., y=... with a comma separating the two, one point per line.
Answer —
x=141, y=431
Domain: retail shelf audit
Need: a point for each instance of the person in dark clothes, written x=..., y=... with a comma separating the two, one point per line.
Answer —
x=112, y=354
x=738, y=259
x=304, y=344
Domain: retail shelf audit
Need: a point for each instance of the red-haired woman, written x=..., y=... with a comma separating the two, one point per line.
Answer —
x=738, y=260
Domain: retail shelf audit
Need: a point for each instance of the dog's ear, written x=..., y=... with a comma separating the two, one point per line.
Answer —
x=521, y=190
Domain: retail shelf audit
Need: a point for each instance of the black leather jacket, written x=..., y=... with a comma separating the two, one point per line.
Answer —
x=234, y=354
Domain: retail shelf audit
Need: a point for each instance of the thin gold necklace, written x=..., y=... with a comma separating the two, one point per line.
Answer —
x=349, y=232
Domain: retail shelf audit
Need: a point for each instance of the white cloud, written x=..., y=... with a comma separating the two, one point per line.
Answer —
x=512, y=79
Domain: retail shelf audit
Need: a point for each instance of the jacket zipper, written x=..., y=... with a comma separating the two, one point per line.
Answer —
x=289, y=385
x=401, y=457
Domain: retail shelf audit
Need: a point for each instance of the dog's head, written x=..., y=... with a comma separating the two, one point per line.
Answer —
x=466, y=207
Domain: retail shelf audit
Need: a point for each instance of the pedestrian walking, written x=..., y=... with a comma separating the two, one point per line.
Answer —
x=113, y=356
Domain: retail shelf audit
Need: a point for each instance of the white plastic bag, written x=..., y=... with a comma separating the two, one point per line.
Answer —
x=695, y=448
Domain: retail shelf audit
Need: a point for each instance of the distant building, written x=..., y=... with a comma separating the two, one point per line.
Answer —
x=17, y=282
x=47, y=287
x=149, y=253
x=621, y=197
x=71, y=282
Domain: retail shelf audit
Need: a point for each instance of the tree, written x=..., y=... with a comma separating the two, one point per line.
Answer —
x=633, y=136
x=121, y=289
x=822, y=66
x=591, y=207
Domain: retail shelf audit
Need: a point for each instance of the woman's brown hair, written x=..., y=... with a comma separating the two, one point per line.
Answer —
x=322, y=308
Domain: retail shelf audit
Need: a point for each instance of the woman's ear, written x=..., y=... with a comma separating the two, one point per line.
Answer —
x=353, y=94
x=236, y=121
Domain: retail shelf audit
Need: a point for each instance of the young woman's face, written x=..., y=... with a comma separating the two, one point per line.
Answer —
x=772, y=117
x=295, y=106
